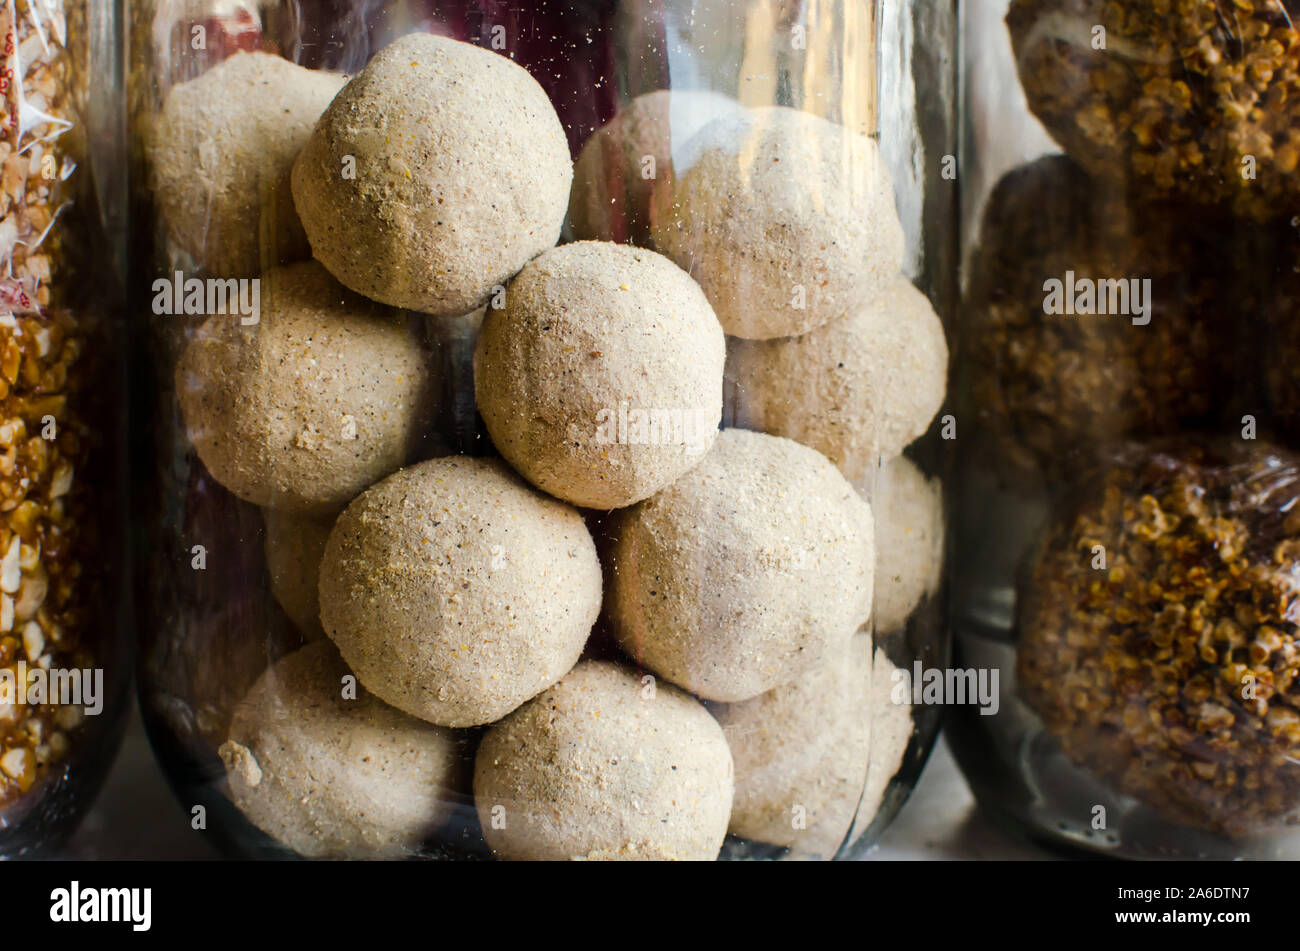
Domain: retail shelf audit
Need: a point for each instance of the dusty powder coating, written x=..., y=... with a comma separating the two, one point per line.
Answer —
x=327, y=394
x=1052, y=388
x=592, y=333
x=220, y=158
x=745, y=571
x=1172, y=671
x=909, y=542
x=786, y=220
x=606, y=764
x=438, y=172
x=334, y=776
x=46, y=445
x=620, y=167
x=456, y=591
x=1188, y=99
x=861, y=387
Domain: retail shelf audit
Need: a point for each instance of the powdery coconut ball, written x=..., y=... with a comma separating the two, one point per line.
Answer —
x=858, y=389
x=801, y=752
x=330, y=777
x=909, y=541
x=436, y=174
x=325, y=395
x=744, y=572
x=294, y=545
x=787, y=221
x=600, y=381
x=456, y=591
x=620, y=165
x=221, y=154
x=605, y=765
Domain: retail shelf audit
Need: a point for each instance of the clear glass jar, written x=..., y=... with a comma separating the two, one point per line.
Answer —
x=65, y=659
x=499, y=479
x=1125, y=547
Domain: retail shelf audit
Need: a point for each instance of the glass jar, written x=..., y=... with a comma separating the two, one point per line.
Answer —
x=1125, y=546
x=489, y=385
x=65, y=659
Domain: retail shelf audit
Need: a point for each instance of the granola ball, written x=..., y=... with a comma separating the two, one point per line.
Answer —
x=620, y=165
x=221, y=154
x=605, y=765
x=294, y=545
x=787, y=221
x=324, y=395
x=327, y=770
x=909, y=541
x=456, y=591
x=1159, y=631
x=437, y=173
x=1051, y=388
x=1196, y=100
x=746, y=571
x=857, y=389
x=600, y=381
x=801, y=752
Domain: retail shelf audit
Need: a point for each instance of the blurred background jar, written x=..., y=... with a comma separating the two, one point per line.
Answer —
x=555, y=406
x=1125, y=552
x=65, y=658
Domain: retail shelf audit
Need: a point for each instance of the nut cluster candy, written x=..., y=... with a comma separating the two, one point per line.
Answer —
x=1195, y=99
x=1170, y=668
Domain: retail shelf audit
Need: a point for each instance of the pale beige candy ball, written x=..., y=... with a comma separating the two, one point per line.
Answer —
x=327, y=394
x=437, y=173
x=814, y=757
x=909, y=541
x=605, y=765
x=621, y=164
x=787, y=221
x=293, y=545
x=221, y=153
x=330, y=777
x=600, y=381
x=744, y=572
x=457, y=591
x=861, y=388
x=801, y=752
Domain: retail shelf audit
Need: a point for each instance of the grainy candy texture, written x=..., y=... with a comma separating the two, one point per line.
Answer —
x=605, y=765
x=294, y=545
x=221, y=154
x=622, y=164
x=745, y=571
x=456, y=591
x=1053, y=388
x=909, y=541
x=857, y=389
x=1171, y=671
x=436, y=174
x=600, y=381
x=301, y=411
x=332, y=777
x=1189, y=99
x=787, y=221
x=801, y=752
